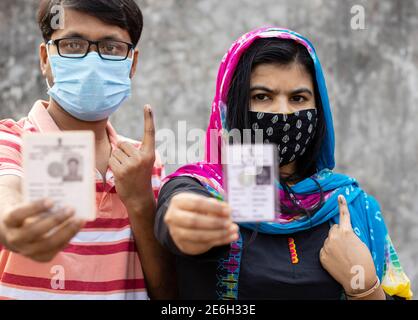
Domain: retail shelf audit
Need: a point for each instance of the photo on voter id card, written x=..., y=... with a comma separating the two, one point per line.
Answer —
x=251, y=172
x=60, y=166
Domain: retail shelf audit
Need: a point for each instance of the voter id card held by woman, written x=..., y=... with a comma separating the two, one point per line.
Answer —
x=251, y=176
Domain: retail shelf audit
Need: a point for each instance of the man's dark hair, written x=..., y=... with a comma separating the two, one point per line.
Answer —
x=122, y=13
x=73, y=160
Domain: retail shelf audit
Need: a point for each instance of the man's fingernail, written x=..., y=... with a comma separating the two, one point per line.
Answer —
x=78, y=222
x=66, y=214
x=48, y=203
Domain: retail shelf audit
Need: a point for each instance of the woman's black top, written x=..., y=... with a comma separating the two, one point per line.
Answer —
x=266, y=272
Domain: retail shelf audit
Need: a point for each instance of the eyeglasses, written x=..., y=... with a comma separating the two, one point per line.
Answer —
x=77, y=48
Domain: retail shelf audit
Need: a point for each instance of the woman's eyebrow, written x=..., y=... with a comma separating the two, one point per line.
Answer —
x=262, y=88
x=301, y=90
x=293, y=92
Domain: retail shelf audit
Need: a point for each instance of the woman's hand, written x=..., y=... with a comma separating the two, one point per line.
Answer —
x=197, y=223
x=346, y=258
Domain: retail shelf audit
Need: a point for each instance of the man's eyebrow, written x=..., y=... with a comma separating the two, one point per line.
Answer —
x=114, y=37
x=72, y=34
x=76, y=34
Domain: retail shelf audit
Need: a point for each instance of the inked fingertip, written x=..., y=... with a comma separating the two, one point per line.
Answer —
x=148, y=108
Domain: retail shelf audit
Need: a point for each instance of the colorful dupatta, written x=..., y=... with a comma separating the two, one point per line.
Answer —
x=366, y=216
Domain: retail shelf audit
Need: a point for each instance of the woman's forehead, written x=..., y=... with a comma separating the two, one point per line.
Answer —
x=281, y=76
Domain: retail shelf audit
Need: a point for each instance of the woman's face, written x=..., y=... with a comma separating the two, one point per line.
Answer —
x=281, y=89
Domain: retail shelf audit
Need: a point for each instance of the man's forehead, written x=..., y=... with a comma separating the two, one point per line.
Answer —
x=80, y=24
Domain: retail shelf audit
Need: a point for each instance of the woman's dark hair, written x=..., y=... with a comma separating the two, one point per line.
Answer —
x=122, y=13
x=282, y=52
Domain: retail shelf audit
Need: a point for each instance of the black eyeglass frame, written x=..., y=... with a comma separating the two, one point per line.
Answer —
x=96, y=43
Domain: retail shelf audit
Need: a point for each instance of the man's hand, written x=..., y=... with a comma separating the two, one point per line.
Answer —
x=132, y=166
x=32, y=230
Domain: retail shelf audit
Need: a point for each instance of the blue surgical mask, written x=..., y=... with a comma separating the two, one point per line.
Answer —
x=90, y=89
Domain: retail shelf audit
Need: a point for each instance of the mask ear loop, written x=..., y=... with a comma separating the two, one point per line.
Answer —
x=132, y=61
x=47, y=84
x=49, y=58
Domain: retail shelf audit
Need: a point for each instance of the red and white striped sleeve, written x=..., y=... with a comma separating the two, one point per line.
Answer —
x=10, y=148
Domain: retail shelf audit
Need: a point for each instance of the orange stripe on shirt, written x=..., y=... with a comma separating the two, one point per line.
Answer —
x=97, y=268
x=125, y=246
x=5, y=143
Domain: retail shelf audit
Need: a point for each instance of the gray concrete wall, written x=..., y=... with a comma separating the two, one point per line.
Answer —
x=372, y=77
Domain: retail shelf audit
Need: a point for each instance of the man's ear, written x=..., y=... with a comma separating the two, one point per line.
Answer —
x=134, y=63
x=43, y=59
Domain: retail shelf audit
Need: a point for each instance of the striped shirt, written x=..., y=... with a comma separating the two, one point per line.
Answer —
x=101, y=261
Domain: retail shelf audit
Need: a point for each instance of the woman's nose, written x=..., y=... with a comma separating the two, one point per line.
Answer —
x=282, y=105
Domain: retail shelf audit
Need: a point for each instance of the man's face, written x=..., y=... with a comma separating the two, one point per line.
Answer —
x=78, y=24
x=73, y=167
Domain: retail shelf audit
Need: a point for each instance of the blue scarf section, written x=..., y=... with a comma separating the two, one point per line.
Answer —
x=366, y=217
x=366, y=220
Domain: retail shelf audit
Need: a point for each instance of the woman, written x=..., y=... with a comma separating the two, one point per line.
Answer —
x=330, y=240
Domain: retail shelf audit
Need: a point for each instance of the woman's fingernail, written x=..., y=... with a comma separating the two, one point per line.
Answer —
x=227, y=224
x=234, y=237
x=233, y=229
x=226, y=211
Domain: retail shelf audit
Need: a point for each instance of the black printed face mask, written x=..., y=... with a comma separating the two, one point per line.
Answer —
x=292, y=133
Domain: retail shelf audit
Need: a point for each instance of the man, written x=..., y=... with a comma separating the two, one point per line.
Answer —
x=72, y=173
x=88, y=65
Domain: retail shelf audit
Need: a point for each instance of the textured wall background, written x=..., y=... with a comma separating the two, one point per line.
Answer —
x=372, y=78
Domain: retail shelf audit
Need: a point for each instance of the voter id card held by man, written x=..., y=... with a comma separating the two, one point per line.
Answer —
x=60, y=166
